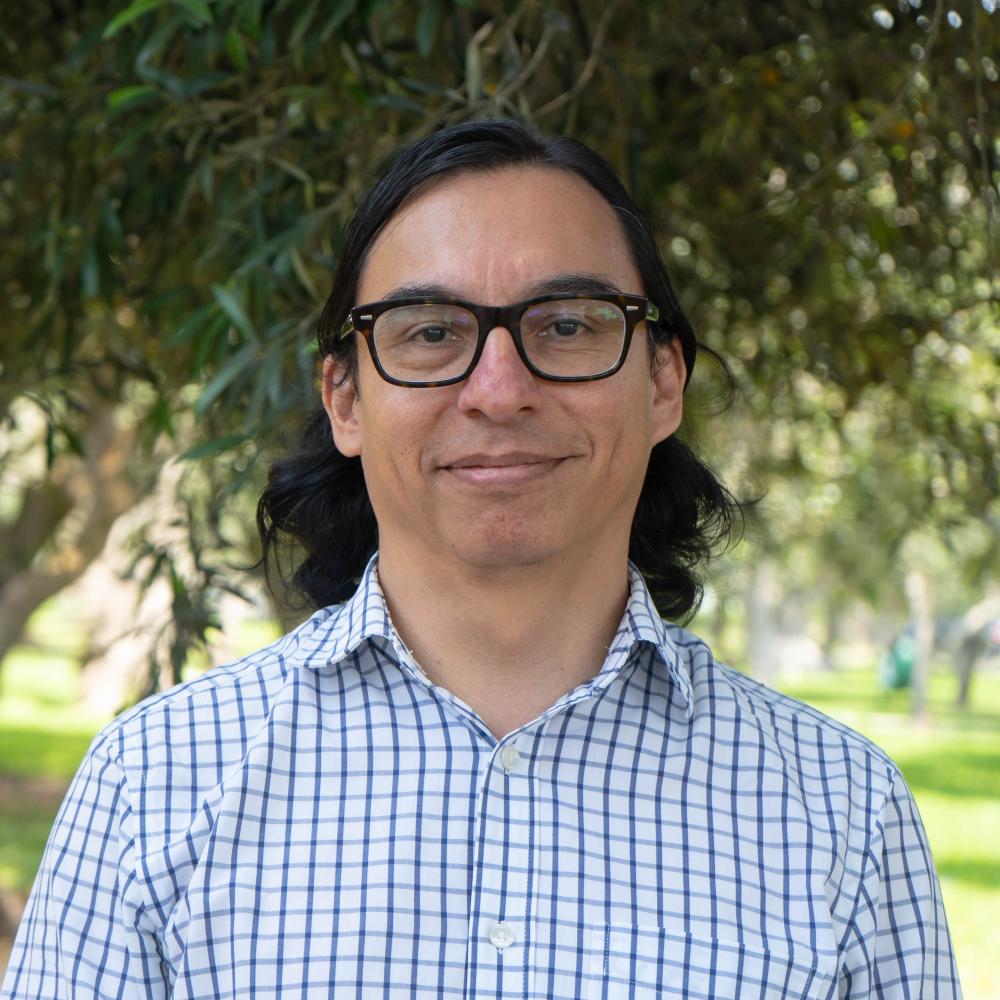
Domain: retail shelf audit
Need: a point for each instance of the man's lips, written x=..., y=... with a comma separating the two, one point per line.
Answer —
x=500, y=461
x=508, y=468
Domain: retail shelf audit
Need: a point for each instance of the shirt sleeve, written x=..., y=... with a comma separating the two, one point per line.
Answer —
x=900, y=946
x=86, y=931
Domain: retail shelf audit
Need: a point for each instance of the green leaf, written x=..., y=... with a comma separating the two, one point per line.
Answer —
x=50, y=445
x=268, y=43
x=398, y=103
x=556, y=19
x=131, y=138
x=213, y=447
x=236, y=49
x=206, y=178
x=154, y=572
x=242, y=359
x=159, y=40
x=341, y=12
x=111, y=226
x=208, y=340
x=473, y=70
x=232, y=308
x=302, y=273
x=90, y=270
x=427, y=26
x=198, y=9
x=248, y=17
x=265, y=251
x=74, y=441
x=295, y=171
x=129, y=14
x=160, y=419
x=302, y=92
x=270, y=378
x=422, y=86
x=127, y=96
x=191, y=327
x=201, y=82
x=302, y=25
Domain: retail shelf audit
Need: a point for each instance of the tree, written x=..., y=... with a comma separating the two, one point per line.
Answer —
x=824, y=180
x=44, y=549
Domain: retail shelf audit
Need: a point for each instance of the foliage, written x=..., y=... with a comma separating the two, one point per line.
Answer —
x=177, y=173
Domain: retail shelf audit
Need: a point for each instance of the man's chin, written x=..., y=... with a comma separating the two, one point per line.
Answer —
x=502, y=547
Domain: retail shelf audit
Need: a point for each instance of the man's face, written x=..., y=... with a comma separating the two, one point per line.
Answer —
x=504, y=469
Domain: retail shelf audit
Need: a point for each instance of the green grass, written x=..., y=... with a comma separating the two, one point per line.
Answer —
x=24, y=828
x=43, y=736
x=951, y=762
x=43, y=730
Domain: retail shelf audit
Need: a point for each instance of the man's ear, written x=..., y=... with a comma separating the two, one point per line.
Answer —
x=340, y=400
x=669, y=373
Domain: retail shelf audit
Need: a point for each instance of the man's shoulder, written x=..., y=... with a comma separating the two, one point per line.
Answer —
x=218, y=712
x=808, y=742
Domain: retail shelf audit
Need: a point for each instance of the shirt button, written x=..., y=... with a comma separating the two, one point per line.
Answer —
x=509, y=758
x=501, y=936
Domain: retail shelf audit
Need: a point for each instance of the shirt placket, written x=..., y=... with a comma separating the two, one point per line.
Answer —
x=500, y=910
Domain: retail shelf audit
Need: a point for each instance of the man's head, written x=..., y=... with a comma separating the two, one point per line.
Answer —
x=503, y=468
x=499, y=465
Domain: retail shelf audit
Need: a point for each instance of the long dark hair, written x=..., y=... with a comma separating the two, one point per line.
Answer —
x=317, y=497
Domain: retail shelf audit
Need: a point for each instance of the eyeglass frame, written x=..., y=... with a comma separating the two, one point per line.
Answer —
x=361, y=319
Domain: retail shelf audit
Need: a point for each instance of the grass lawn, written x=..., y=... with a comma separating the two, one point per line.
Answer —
x=952, y=764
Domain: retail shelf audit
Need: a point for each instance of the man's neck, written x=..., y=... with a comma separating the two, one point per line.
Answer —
x=509, y=642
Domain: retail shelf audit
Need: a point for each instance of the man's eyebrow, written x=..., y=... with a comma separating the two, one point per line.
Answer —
x=581, y=283
x=575, y=284
x=420, y=292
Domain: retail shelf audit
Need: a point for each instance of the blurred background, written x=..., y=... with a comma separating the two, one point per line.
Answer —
x=175, y=176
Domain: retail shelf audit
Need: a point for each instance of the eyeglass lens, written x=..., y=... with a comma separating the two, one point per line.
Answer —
x=562, y=337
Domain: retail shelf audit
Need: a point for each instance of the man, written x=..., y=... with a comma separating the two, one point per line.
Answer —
x=494, y=771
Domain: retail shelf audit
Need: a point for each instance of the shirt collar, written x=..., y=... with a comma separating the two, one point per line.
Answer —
x=641, y=624
x=335, y=632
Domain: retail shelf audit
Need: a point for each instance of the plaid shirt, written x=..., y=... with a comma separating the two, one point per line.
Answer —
x=320, y=820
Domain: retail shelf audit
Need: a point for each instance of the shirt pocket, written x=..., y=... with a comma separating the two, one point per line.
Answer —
x=646, y=962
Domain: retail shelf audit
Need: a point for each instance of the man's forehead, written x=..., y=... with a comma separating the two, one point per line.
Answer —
x=501, y=236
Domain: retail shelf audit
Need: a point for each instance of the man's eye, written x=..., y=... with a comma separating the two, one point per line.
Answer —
x=431, y=334
x=565, y=327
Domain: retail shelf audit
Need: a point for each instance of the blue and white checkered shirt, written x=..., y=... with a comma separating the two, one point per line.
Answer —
x=320, y=820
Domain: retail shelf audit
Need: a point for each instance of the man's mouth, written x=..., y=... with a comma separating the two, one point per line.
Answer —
x=508, y=468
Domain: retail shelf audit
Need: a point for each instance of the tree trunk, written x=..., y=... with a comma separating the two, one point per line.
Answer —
x=762, y=626
x=919, y=599
x=63, y=523
x=971, y=643
x=833, y=615
x=965, y=664
x=23, y=595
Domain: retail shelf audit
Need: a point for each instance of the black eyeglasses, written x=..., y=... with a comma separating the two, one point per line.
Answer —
x=422, y=342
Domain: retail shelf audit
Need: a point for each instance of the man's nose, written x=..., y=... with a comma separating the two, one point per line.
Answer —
x=500, y=386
